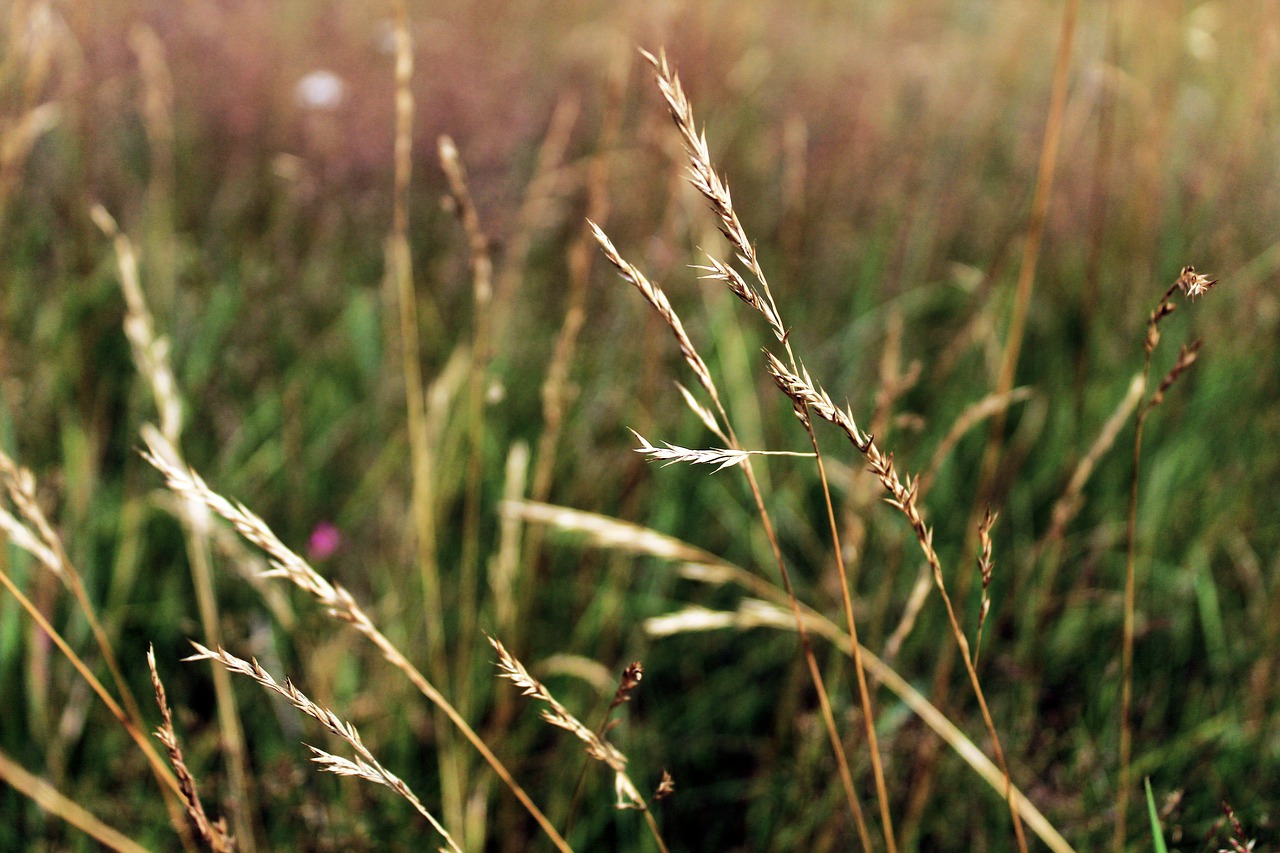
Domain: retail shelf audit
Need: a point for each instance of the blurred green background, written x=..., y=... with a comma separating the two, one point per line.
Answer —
x=883, y=155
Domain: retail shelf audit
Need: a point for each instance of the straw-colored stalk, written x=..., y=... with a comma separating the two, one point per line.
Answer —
x=214, y=833
x=399, y=270
x=151, y=356
x=338, y=604
x=47, y=797
x=482, y=294
x=34, y=534
x=1010, y=356
x=657, y=299
x=629, y=796
x=769, y=609
x=364, y=766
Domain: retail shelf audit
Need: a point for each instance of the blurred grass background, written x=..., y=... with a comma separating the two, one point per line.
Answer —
x=883, y=155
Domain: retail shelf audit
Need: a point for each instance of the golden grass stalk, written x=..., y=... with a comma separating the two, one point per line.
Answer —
x=34, y=534
x=581, y=259
x=902, y=496
x=151, y=356
x=338, y=603
x=157, y=764
x=629, y=796
x=482, y=292
x=400, y=273
x=655, y=296
x=969, y=418
x=214, y=833
x=1191, y=285
x=1012, y=350
x=703, y=176
x=55, y=803
x=365, y=766
x=767, y=610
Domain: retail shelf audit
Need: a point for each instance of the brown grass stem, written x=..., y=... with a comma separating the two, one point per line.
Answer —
x=581, y=258
x=970, y=417
x=1039, y=209
x=1191, y=285
x=990, y=465
x=170, y=784
x=1099, y=189
x=1126, y=653
x=41, y=540
x=800, y=388
x=214, y=833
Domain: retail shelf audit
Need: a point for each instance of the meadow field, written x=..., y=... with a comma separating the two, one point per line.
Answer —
x=770, y=426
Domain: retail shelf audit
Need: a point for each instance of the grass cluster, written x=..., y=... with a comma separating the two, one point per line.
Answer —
x=337, y=344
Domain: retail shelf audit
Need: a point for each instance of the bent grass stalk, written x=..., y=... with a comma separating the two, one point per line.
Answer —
x=698, y=565
x=47, y=797
x=338, y=603
x=704, y=177
x=596, y=746
x=365, y=766
x=657, y=299
x=43, y=543
x=151, y=357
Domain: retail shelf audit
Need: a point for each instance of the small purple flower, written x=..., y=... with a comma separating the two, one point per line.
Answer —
x=325, y=540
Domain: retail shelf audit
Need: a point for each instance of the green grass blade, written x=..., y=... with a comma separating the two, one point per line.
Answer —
x=1157, y=839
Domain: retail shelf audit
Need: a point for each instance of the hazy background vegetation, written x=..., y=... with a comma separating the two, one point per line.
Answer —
x=883, y=154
